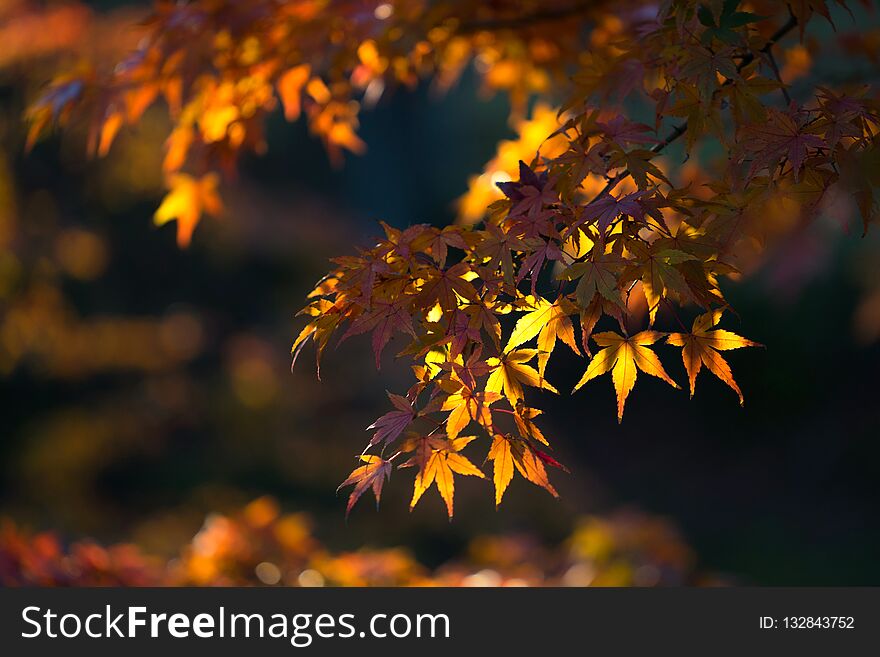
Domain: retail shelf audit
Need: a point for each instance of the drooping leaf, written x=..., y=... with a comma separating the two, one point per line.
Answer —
x=701, y=346
x=440, y=468
x=623, y=357
x=509, y=454
x=548, y=321
x=511, y=373
x=372, y=474
x=389, y=427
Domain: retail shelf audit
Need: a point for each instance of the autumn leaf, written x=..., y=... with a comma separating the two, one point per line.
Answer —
x=445, y=287
x=548, y=321
x=439, y=468
x=389, y=427
x=600, y=274
x=467, y=405
x=638, y=163
x=657, y=270
x=511, y=373
x=701, y=346
x=383, y=319
x=188, y=199
x=783, y=136
x=606, y=208
x=508, y=455
x=590, y=208
x=524, y=418
x=502, y=463
x=372, y=474
x=624, y=356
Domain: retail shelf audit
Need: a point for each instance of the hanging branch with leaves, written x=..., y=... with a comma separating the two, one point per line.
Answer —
x=596, y=228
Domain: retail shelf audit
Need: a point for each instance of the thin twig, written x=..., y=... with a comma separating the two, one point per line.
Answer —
x=775, y=67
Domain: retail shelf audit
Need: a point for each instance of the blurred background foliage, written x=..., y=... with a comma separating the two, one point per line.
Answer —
x=143, y=387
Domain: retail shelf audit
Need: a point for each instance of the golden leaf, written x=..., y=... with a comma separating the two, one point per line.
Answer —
x=624, y=357
x=701, y=346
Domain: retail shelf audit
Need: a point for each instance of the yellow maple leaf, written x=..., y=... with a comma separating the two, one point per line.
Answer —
x=511, y=372
x=502, y=463
x=465, y=406
x=186, y=201
x=440, y=468
x=548, y=321
x=624, y=357
x=701, y=346
x=508, y=454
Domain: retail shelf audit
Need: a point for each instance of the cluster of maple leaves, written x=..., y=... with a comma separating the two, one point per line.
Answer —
x=483, y=308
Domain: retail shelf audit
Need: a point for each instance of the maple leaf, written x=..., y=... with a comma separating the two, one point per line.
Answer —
x=624, y=356
x=483, y=316
x=466, y=405
x=702, y=66
x=548, y=321
x=656, y=269
x=702, y=114
x=449, y=236
x=372, y=474
x=509, y=455
x=781, y=136
x=499, y=248
x=188, y=199
x=445, y=286
x=701, y=346
x=745, y=99
x=439, y=460
x=392, y=424
x=524, y=416
x=623, y=132
x=728, y=21
x=532, y=194
x=383, y=319
x=55, y=104
x=590, y=316
x=319, y=330
x=605, y=209
x=803, y=11
x=532, y=265
x=462, y=331
x=600, y=274
x=638, y=163
x=510, y=373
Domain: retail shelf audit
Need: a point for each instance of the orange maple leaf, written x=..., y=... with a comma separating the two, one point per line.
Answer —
x=701, y=346
x=624, y=357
